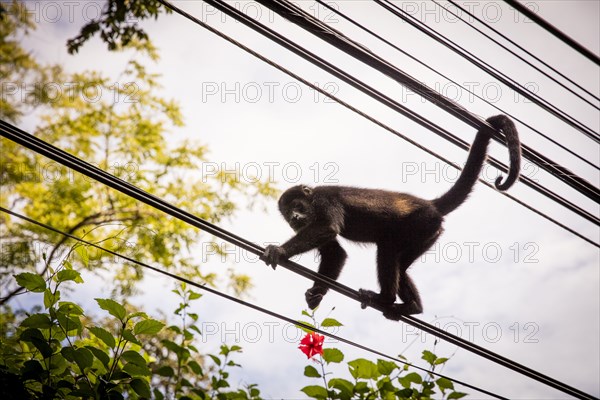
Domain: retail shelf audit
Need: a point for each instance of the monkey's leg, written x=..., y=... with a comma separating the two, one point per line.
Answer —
x=333, y=258
x=387, y=275
x=407, y=290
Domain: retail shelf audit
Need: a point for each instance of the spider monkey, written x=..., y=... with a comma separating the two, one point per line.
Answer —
x=401, y=225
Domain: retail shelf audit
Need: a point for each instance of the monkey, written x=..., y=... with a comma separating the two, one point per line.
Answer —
x=402, y=226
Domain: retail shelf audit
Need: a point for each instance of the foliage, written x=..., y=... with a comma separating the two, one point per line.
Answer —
x=58, y=352
x=382, y=379
x=17, y=66
x=118, y=25
x=122, y=126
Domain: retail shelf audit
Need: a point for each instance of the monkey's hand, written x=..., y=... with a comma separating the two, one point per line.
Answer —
x=314, y=295
x=273, y=254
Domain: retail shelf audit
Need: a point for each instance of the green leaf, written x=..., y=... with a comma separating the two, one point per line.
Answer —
x=103, y=335
x=440, y=360
x=429, y=357
x=141, y=387
x=115, y=309
x=215, y=359
x=83, y=254
x=138, y=314
x=137, y=370
x=84, y=358
x=69, y=324
x=35, y=337
x=194, y=295
x=330, y=322
x=363, y=369
x=307, y=330
x=148, y=327
x=69, y=308
x=386, y=367
x=166, y=371
x=311, y=372
x=134, y=357
x=362, y=387
x=32, y=282
x=345, y=387
x=408, y=379
x=195, y=367
x=333, y=356
x=41, y=321
x=68, y=275
x=456, y=395
x=445, y=384
x=317, y=392
x=100, y=355
x=32, y=369
x=130, y=337
x=50, y=298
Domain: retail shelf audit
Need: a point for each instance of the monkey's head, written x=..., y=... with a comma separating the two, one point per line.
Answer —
x=295, y=204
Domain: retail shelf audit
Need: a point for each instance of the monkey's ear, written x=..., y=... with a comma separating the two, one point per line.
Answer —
x=306, y=190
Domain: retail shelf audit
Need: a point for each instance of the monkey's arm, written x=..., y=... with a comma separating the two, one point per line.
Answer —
x=308, y=238
x=333, y=258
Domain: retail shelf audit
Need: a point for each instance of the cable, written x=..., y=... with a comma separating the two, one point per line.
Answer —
x=516, y=55
x=367, y=116
x=233, y=12
x=337, y=39
x=553, y=30
x=41, y=147
x=397, y=11
x=423, y=64
x=245, y=303
x=509, y=40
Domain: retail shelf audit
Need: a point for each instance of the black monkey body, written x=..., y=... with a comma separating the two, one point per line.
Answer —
x=401, y=225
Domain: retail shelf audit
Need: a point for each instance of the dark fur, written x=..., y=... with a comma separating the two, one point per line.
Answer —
x=402, y=226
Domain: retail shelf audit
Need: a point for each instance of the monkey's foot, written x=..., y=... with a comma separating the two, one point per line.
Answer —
x=367, y=298
x=397, y=311
x=314, y=295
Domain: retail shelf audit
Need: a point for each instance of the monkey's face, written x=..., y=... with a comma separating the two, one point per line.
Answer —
x=296, y=207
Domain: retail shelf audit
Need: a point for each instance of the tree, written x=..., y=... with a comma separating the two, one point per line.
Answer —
x=123, y=128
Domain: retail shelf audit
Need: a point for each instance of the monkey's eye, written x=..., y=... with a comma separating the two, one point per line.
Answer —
x=299, y=207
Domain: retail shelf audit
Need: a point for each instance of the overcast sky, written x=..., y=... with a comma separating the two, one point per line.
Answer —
x=500, y=275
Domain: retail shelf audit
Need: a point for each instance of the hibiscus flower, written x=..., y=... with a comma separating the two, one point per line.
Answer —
x=312, y=344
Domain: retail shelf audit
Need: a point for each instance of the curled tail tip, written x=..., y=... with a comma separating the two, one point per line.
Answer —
x=508, y=182
x=502, y=122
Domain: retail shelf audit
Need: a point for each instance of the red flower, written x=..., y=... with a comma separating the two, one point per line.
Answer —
x=312, y=344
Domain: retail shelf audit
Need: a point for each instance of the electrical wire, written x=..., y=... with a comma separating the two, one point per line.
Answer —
x=298, y=16
x=514, y=85
x=565, y=176
x=516, y=55
x=246, y=303
x=553, y=30
x=41, y=147
x=423, y=64
x=530, y=54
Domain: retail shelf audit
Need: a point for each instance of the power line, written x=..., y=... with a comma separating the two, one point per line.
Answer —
x=400, y=13
x=245, y=303
x=516, y=55
x=544, y=163
x=530, y=54
x=553, y=30
x=368, y=117
x=41, y=147
x=423, y=64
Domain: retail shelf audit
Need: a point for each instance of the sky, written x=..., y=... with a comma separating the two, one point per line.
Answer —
x=500, y=275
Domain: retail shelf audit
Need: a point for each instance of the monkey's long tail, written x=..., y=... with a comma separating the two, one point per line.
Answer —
x=457, y=195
